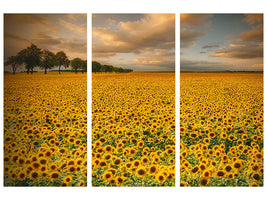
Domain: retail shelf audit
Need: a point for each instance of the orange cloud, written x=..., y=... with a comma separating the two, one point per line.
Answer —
x=73, y=27
x=253, y=18
x=240, y=50
x=253, y=35
x=152, y=31
x=195, y=20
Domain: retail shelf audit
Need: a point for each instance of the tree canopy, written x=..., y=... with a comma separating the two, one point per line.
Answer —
x=97, y=67
x=62, y=60
x=14, y=61
x=48, y=60
x=31, y=57
x=76, y=64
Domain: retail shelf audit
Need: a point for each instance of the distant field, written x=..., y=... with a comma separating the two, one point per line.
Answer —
x=133, y=129
x=221, y=129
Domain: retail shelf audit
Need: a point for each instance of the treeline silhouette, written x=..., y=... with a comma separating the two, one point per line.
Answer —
x=32, y=57
x=97, y=67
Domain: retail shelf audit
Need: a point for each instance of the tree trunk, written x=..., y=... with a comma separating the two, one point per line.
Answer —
x=45, y=71
x=14, y=68
x=28, y=70
x=31, y=70
x=76, y=71
x=59, y=69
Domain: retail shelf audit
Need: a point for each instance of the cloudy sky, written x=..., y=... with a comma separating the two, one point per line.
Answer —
x=55, y=32
x=221, y=42
x=142, y=42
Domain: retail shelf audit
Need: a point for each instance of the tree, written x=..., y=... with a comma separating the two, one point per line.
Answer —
x=14, y=61
x=48, y=60
x=31, y=57
x=62, y=60
x=108, y=68
x=84, y=66
x=76, y=64
x=96, y=66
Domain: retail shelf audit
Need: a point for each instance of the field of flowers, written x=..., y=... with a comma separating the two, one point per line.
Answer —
x=221, y=129
x=133, y=129
x=45, y=129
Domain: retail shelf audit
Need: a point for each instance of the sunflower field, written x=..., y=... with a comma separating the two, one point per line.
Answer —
x=45, y=129
x=221, y=129
x=133, y=129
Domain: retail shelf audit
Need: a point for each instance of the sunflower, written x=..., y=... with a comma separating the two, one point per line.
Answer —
x=21, y=161
x=256, y=176
x=228, y=168
x=112, y=181
x=161, y=177
x=237, y=165
x=54, y=176
x=220, y=173
x=171, y=161
x=132, y=151
x=68, y=179
x=203, y=181
x=22, y=176
x=119, y=181
x=259, y=156
x=35, y=165
x=144, y=160
x=136, y=163
x=81, y=183
x=231, y=137
x=34, y=175
x=52, y=167
x=195, y=169
x=244, y=136
x=183, y=184
x=43, y=161
x=63, y=150
x=141, y=172
x=71, y=169
x=64, y=184
x=170, y=176
x=253, y=184
x=48, y=154
x=71, y=162
x=206, y=173
x=107, y=157
x=107, y=176
x=212, y=135
x=140, y=144
x=153, y=169
x=117, y=161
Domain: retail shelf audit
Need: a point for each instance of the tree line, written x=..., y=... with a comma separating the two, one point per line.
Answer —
x=32, y=57
x=97, y=67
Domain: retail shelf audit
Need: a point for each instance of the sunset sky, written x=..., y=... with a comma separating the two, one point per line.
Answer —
x=55, y=32
x=142, y=42
x=221, y=42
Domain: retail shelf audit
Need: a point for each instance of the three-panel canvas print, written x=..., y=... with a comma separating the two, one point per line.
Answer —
x=133, y=104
